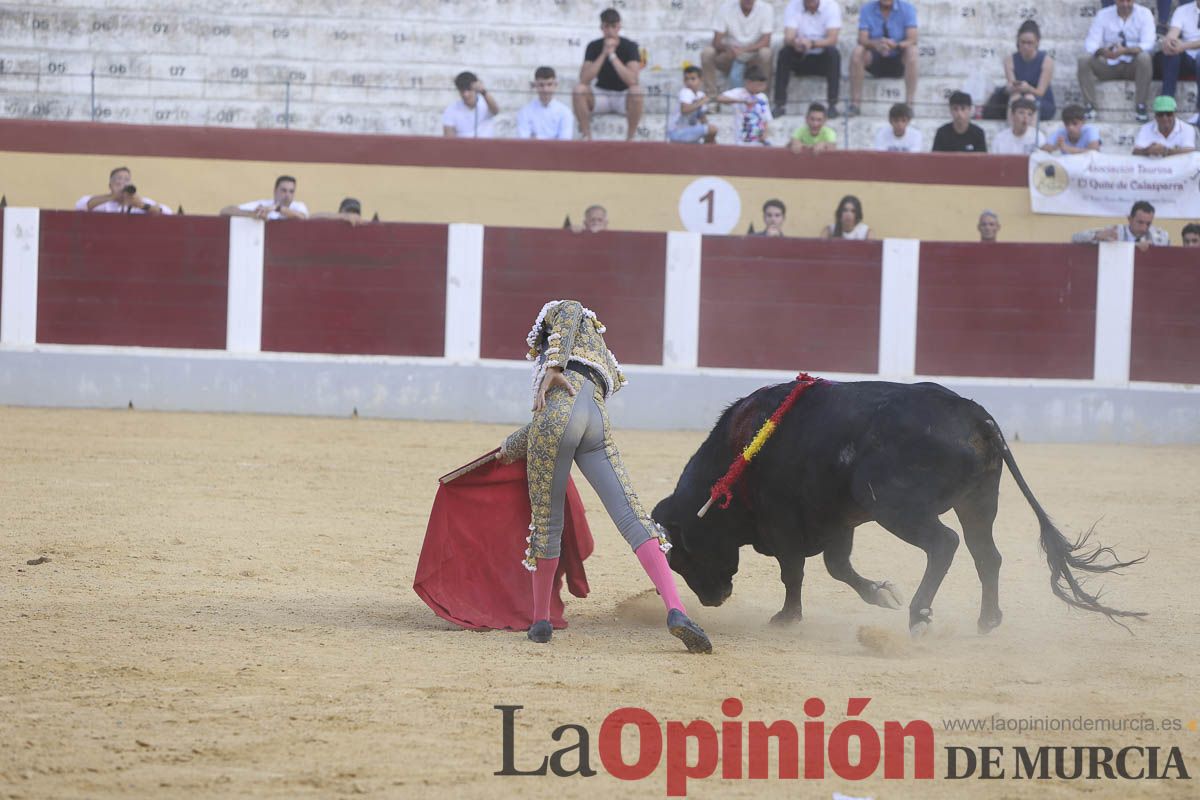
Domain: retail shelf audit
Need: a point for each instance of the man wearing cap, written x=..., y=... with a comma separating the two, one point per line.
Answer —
x=1165, y=136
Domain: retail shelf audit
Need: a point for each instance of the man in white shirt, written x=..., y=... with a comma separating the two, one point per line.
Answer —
x=1022, y=138
x=122, y=197
x=810, y=36
x=1166, y=135
x=741, y=35
x=467, y=117
x=1117, y=47
x=545, y=117
x=898, y=136
x=1140, y=230
x=1180, y=48
x=283, y=205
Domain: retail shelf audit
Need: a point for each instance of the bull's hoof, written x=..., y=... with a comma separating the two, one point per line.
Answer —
x=787, y=617
x=540, y=631
x=688, y=632
x=887, y=596
x=920, y=624
x=989, y=622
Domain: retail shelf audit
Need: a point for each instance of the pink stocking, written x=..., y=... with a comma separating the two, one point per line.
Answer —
x=655, y=564
x=543, y=585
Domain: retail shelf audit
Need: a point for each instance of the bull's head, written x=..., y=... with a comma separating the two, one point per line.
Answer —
x=702, y=552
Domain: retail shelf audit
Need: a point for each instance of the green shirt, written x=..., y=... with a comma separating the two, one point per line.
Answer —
x=805, y=137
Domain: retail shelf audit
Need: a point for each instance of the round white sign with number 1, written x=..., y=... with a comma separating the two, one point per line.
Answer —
x=710, y=205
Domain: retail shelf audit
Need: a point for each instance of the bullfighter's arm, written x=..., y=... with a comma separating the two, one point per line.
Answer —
x=564, y=320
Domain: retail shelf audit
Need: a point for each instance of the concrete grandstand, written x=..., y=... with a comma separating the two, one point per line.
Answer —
x=388, y=68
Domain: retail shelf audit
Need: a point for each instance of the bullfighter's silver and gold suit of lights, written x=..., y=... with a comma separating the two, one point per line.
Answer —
x=574, y=372
x=574, y=428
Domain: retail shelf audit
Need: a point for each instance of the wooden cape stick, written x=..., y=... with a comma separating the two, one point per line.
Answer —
x=470, y=467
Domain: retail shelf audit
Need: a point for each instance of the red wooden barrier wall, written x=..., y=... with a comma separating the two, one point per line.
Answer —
x=120, y=279
x=1166, y=316
x=373, y=289
x=622, y=277
x=794, y=304
x=1006, y=310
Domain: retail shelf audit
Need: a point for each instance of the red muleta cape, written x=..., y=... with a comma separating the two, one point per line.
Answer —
x=470, y=570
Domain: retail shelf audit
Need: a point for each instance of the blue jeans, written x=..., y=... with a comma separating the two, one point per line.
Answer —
x=1172, y=68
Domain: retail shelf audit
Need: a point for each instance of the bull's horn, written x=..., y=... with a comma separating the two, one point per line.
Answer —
x=704, y=510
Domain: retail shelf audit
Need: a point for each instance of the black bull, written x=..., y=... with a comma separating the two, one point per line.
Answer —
x=849, y=453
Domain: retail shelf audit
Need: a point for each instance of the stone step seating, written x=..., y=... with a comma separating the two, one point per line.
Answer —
x=389, y=69
x=419, y=112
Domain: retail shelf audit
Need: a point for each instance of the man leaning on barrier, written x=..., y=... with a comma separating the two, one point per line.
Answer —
x=121, y=198
x=1139, y=230
x=1165, y=135
x=283, y=205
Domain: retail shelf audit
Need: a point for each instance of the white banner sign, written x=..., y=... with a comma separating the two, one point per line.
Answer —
x=1098, y=184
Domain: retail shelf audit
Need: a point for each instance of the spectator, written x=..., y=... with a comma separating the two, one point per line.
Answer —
x=614, y=63
x=121, y=198
x=595, y=220
x=1028, y=72
x=1179, y=50
x=544, y=117
x=1117, y=47
x=1164, y=10
x=810, y=47
x=741, y=36
x=1139, y=229
x=960, y=135
x=774, y=214
x=1021, y=138
x=898, y=136
x=349, y=210
x=988, y=227
x=283, y=205
x=887, y=47
x=1191, y=235
x=847, y=221
x=815, y=136
x=1165, y=136
x=1075, y=136
x=467, y=117
x=690, y=123
x=751, y=106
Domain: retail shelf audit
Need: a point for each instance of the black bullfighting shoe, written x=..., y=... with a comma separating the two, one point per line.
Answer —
x=540, y=631
x=688, y=632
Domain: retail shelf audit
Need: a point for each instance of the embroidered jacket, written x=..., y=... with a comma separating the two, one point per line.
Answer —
x=565, y=331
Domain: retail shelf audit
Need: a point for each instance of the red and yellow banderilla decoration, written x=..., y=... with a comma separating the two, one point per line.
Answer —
x=724, y=487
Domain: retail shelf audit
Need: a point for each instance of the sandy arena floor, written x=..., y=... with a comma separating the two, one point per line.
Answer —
x=227, y=612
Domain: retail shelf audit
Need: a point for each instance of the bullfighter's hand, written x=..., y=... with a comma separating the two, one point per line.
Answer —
x=554, y=377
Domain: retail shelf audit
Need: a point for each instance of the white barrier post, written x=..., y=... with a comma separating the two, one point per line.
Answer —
x=898, y=308
x=681, y=301
x=243, y=322
x=1114, y=312
x=18, y=314
x=464, y=291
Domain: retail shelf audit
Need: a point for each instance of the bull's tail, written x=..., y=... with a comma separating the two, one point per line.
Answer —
x=1063, y=556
